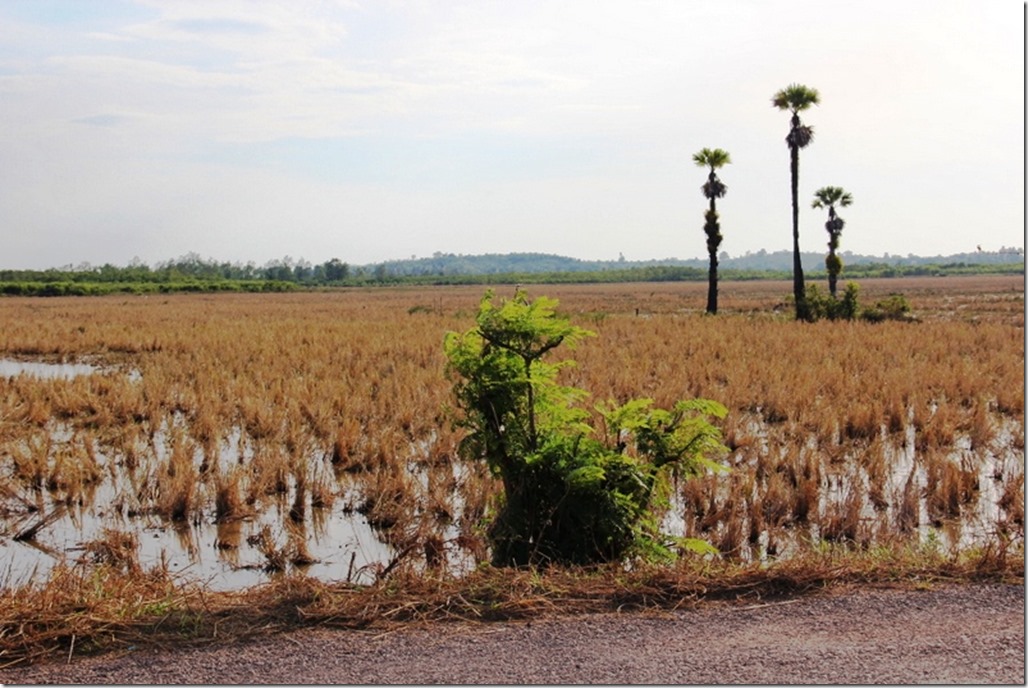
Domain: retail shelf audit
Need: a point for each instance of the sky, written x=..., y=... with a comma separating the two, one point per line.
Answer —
x=246, y=130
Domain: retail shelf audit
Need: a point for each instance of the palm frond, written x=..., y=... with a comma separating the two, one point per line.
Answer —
x=830, y=196
x=800, y=136
x=713, y=158
x=714, y=188
x=796, y=98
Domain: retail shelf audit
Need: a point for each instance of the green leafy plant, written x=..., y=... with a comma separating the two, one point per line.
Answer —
x=822, y=305
x=825, y=306
x=893, y=307
x=569, y=496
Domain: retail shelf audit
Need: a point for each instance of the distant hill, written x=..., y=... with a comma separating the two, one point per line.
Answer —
x=443, y=264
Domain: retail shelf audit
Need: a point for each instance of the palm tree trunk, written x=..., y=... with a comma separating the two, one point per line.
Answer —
x=798, y=289
x=833, y=272
x=712, y=274
x=833, y=278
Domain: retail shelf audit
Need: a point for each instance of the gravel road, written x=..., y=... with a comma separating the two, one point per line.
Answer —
x=951, y=634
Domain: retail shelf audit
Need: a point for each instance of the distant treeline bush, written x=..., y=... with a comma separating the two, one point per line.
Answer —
x=80, y=288
x=762, y=262
x=191, y=273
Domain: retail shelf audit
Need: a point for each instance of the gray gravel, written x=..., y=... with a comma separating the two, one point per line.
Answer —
x=952, y=634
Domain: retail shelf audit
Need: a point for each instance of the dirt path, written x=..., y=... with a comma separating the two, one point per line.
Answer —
x=953, y=634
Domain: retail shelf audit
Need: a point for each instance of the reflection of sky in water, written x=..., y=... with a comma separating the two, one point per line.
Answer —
x=220, y=556
x=994, y=468
x=192, y=551
x=12, y=368
x=225, y=556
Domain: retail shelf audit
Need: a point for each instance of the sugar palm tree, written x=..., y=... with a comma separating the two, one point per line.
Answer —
x=829, y=197
x=796, y=98
x=712, y=189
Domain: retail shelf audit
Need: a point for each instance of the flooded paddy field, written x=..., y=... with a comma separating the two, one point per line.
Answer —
x=229, y=438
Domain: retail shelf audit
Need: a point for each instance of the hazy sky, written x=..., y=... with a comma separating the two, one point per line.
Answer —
x=245, y=130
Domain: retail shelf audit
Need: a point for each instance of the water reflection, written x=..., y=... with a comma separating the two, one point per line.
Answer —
x=316, y=524
x=12, y=368
x=63, y=370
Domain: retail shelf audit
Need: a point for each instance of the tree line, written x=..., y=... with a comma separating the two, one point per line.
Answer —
x=97, y=282
x=488, y=267
x=190, y=267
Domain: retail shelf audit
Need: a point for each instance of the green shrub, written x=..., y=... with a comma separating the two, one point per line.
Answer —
x=824, y=306
x=893, y=307
x=569, y=497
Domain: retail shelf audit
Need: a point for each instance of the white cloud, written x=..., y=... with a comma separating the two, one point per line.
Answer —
x=248, y=129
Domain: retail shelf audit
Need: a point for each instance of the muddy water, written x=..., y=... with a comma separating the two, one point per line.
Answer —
x=341, y=544
x=332, y=543
x=845, y=485
x=12, y=368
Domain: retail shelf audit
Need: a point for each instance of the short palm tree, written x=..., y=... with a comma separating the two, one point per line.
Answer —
x=829, y=197
x=712, y=189
x=797, y=98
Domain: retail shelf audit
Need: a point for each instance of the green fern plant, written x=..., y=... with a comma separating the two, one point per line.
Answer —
x=569, y=497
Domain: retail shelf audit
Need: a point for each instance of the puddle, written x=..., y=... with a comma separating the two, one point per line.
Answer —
x=10, y=367
x=221, y=556
x=345, y=544
x=334, y=542
x=843, y=509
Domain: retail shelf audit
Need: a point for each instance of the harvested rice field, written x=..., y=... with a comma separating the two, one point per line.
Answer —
x=232, y=438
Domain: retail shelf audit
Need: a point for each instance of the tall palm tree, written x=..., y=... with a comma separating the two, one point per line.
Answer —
x=829, y=197
x=796, y=98
x=712, y=189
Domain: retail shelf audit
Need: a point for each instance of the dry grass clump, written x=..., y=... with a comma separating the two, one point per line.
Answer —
x=951, y=486
x=84, y=610
x=1012, y=504
x=875, y=462
x=117, y=549
x=841, y=521
x=229, y=500
x=908, y=506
